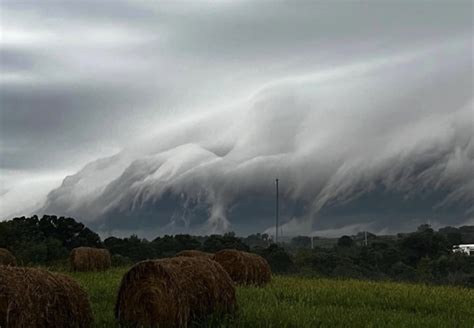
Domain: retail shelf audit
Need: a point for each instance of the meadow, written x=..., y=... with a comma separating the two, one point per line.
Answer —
x=312, y=302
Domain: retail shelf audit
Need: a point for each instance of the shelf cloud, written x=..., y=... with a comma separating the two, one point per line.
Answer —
x=186, y=114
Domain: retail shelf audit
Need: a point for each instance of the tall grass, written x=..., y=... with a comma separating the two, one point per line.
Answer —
x=299, y=302
x=302, y=302
x=102, y=288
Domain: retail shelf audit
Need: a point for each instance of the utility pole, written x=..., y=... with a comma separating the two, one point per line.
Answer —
x=276, y=211
x=365, y=237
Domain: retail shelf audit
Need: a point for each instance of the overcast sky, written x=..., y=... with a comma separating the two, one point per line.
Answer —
x=84, y=79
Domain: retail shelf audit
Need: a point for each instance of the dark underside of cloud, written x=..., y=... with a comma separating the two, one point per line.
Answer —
x=382, y=145
x=371, y=205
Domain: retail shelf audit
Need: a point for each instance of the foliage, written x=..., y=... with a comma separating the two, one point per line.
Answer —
x=422, y=256
x=345, y=241
x=278, y=259
x=461, y=235
x=301, y=242
x=120, y=261
x=258, y=240
x=228, y=241
x=423, y=243
x=45, y=240
x=133, y=248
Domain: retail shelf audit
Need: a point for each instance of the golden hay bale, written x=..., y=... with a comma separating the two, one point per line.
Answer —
x=195, y=253
x=90, y=259
x=244, y=268
x=37, y=298
x=7, y=258
x=174, y=292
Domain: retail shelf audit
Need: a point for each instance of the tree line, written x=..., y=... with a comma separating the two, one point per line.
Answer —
x=421, y=256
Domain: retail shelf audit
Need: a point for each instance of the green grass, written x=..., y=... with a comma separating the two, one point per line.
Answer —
x=302, y=302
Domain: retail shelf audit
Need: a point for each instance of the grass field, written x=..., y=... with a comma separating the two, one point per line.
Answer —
x=302, y=302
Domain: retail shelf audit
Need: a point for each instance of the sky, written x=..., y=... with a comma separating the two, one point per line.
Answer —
x=84, y=80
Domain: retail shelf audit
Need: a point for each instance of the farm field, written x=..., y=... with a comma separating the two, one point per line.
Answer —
x=304, y=302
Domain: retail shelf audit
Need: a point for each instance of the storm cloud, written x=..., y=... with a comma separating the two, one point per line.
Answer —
x=203, y=103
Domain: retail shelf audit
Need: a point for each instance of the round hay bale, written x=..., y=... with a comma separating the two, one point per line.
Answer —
x=244, y=268
x=37, y=298
x=195, y=253
x=6, y=257
x=90, y=259
x=174, y=292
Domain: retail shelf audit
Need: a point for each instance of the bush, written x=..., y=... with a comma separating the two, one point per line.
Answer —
x=120, y=261
x=215, y=243
x=345, y=241
x=278, y=259
x=401, y=271
x=348, y=271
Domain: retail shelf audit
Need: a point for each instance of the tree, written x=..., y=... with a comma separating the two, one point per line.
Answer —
x=134, y=248
x=423, y=243
x=166, y=245
x=401, y=271
x=324, y=262
x=71, y=233
x=424, y=228
x=453, y=235
x=186, y=242
x=301, y=242
x=257, y=240
x=345, y=241
x=423, y=270
x=278, y=259
x=215, y=243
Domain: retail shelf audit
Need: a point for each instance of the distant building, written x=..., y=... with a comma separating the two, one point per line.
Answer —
x=466, y=248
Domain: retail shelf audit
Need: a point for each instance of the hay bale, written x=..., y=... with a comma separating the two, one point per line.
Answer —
x=195, y=253
x=37, y=298
x=7, y=258
x=174, y=292
x=90, y=259
x=244, y=268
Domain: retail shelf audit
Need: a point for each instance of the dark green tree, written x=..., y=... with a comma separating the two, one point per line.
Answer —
x=278, y=259
x=345, y=241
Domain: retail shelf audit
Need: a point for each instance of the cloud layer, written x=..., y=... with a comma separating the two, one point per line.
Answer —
x=355, y=136
x=204, y=104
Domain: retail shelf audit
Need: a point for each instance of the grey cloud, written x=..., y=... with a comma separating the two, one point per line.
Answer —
x=386, y=157
x=174, y=80
x=79, y=11
x=250, y=31
x=18, y=60
x=49, y=124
